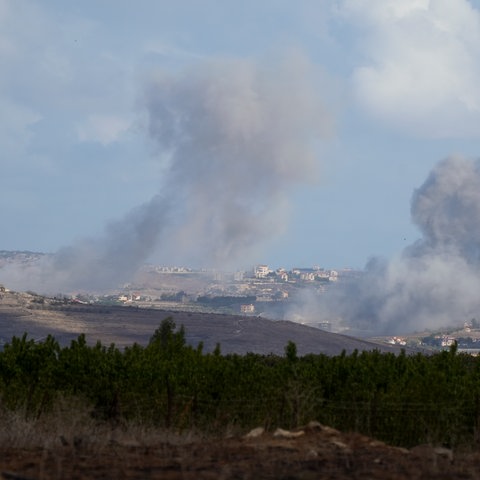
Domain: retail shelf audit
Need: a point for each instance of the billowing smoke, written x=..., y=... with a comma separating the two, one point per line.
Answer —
x=241, y=137
x=436, y=281
x=95, y=263
x=234, y=137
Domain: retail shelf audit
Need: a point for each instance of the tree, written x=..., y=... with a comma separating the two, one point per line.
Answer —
x=165, y=335
x=291, y=352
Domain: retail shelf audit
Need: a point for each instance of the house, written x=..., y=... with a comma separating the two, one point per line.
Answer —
x=333, y=276
x=307, y=276
x=448, y=341
x=261, y=271
x=325, y=325
x=247, y=308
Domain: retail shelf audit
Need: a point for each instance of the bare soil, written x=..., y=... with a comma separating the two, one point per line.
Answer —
x=319, y=453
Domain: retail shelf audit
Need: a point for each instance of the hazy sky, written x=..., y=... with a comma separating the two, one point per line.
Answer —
x=397, y=82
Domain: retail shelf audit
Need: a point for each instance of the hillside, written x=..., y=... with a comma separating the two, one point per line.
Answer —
x=22, y=312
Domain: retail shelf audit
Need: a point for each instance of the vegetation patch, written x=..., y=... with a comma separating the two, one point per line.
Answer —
x=404, y=400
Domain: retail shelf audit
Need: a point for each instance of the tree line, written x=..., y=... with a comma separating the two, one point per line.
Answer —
x=401, y=399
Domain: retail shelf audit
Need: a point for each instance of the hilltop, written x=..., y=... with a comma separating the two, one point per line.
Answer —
x=40, y=316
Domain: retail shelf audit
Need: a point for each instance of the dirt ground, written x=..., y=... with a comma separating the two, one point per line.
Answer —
x=318, y=453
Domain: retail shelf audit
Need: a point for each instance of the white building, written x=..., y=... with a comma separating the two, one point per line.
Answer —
x=261, y=271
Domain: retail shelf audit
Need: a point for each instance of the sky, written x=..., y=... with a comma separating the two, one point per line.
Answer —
x=278, y=132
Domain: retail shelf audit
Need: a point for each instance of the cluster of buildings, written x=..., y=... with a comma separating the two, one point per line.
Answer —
x=270, y=292
x=296, y=274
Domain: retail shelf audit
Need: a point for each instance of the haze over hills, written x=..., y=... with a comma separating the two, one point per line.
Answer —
x=39, y=317
x=301, y=297
x=68, y=317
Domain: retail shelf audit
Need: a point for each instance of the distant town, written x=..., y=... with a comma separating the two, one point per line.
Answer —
x=262, y=291
x=275, y=293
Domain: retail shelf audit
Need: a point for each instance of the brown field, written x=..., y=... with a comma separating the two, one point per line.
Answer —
x=319, y=453
x=126, y=325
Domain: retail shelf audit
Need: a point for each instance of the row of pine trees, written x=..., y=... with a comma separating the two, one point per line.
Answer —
x=401, y=399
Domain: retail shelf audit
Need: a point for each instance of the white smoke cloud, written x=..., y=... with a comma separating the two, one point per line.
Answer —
x=239, y=136
x=420, y=69
x=434, y=282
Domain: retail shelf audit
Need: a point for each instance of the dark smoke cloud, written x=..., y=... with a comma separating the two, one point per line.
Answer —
x=235, y=137
x=434, y=282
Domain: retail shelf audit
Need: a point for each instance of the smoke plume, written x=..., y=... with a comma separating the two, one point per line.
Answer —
x=434, y=282
x=241, y=137
x=233, y=138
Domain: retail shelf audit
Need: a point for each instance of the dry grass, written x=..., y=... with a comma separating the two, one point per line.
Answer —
x=70, y=443
x=71, y=423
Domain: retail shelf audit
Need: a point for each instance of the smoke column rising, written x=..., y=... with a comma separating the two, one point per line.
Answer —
x=436, y=281
x=241, y=137
x=237, y=136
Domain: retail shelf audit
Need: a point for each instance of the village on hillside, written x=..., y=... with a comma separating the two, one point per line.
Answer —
x=274, y=293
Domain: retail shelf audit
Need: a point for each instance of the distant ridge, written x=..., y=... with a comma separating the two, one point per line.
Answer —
x=13, y=253
x=23, y=312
